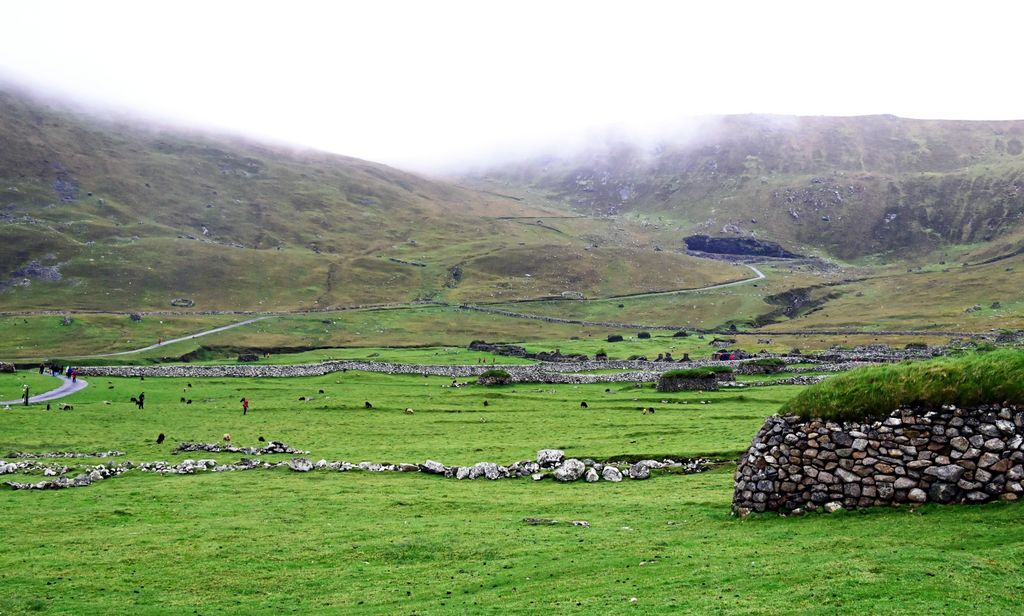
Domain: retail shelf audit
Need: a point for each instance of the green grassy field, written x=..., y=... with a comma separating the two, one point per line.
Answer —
x=277, y=541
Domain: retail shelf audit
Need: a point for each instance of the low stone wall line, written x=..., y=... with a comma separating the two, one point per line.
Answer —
x=549, y=463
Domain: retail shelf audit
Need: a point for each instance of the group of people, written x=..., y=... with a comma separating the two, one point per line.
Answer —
x=70, y=372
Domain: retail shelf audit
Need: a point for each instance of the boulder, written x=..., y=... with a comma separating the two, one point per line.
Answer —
x=639, y=471
x=570, y=470
x=591, y=476
x=549, y=458
x=301, y=465
x=432, y=467
x=610, y=473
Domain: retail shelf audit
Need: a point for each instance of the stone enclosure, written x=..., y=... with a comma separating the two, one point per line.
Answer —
x=950, y=455
x=704, y=382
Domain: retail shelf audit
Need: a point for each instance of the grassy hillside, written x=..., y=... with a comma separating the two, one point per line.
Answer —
x=848, y=187
x=104, y=214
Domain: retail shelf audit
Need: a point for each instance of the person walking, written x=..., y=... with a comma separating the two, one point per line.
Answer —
x=245, y=406
x=42, y=368
x=74, y=375
x=24, y=393
x=142, y=400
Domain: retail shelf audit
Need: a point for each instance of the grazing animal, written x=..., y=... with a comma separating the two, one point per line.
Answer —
x=321, y=391
x=302, y=398
x=227, y=437
x=485, y=403
x=66, y=407
x=584, y=405
x=649, y=410
x=183, y=398
x=47, y=406
x=190, y=384
x=135, y=400
x=262, y=440
x=160, y=439
x=189, y=401
x=409, y=411
x=367, y=404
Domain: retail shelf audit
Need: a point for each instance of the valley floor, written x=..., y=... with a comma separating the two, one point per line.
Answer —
x=326, y=542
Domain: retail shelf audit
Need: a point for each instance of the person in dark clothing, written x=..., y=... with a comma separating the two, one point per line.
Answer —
x=42, y=368
x=25, y=394
x=142, y=400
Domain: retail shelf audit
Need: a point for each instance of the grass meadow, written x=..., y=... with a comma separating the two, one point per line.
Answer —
x=263, y=542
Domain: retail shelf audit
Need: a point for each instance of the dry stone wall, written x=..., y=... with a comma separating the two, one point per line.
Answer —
x=951, y=455
x=546, y=372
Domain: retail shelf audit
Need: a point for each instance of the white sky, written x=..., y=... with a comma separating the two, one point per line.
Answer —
x=431, y=83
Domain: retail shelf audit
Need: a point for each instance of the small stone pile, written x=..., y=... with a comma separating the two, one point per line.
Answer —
x=189, y=467
x=271, y=447
x=65, y=454
x=50, y=470
x=553, y=463
x=793, y=380
x=950, y=455
x=87, y=478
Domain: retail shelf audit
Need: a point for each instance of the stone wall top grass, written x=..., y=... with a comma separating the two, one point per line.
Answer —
x=996, y=377
x=697, y=373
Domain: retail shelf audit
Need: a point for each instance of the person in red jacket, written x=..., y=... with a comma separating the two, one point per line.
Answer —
x=245, y=406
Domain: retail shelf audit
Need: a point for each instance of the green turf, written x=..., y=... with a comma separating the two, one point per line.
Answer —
x=275, y=541
x=979, y=378
x=11, y=384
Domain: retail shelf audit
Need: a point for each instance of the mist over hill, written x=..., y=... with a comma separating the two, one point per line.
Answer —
x=118, y=214
x=848, y=186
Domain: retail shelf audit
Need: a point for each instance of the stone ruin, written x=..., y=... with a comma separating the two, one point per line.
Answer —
x=752, y=368
x=949, y=455
x=706, y=382
x=6, y=367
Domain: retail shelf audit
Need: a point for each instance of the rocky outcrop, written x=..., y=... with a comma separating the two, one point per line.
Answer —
x=739, y=246
x=950, y=455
